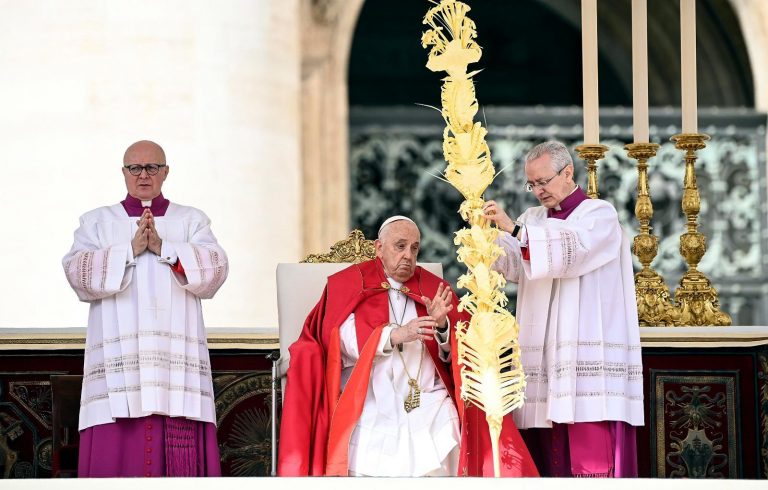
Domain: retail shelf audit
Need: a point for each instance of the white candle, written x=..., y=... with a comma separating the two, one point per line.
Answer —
x=640, y=71
x=589, y=69
x=688, y=64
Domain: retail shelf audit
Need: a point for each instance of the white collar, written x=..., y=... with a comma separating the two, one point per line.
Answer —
x=394, y=283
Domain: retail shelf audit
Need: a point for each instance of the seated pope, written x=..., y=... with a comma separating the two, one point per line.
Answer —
x=373, y=384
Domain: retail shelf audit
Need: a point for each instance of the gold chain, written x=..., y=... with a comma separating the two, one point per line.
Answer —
x=413, y=400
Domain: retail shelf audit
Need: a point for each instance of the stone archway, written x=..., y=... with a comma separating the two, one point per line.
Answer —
x=327, y=30
x=753, y=18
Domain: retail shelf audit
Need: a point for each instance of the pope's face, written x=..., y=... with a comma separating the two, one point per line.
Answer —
x=144, y=186
x=558, y=185
x=398, y=249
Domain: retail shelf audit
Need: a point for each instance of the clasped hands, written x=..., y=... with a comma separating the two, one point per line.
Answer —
x=146, y=237
x=425, y=327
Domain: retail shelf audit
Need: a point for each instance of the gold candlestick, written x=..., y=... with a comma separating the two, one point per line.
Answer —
x=654, y=305
x=697, y=300
x=592, y=153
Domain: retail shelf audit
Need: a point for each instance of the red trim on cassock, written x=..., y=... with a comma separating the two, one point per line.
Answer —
x=318, y=419
x=178, y=268
x=525, y=253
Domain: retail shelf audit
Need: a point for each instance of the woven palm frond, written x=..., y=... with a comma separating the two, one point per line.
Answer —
x=487, y=345
x=490, y=370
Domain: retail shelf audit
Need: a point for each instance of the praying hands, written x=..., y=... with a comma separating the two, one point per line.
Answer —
x=146, y=237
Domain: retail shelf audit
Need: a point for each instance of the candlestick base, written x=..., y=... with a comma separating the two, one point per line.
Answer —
x=655, y=307
x=591, y=154
x=654, y=304
x=697, y=301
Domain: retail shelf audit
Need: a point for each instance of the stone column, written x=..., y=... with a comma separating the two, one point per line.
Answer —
x=327, y=28
x=753, y=18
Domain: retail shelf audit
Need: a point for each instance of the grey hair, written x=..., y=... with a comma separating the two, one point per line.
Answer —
x=557, y=151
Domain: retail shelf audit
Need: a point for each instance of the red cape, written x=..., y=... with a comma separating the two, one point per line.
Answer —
x=318, y=418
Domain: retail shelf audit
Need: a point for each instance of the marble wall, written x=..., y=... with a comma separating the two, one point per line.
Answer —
x=216, y=83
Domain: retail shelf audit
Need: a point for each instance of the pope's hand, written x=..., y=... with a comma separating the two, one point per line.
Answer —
x=439, y=306
x=421, y=328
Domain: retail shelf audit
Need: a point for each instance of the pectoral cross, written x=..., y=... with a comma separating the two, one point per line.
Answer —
x=413, y=400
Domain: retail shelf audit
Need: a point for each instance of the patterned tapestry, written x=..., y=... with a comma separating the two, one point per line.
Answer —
x=696, y=418
x=25, y=425
x=243, y=401
x=28, y=427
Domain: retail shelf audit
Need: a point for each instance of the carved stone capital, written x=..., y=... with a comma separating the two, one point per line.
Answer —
x=325, y=12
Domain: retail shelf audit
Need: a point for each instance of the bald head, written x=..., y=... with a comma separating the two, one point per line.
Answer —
x=144, y=150
x=398, y=248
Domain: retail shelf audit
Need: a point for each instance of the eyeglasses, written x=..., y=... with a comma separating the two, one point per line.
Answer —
x=530, y=186
x=151, y=168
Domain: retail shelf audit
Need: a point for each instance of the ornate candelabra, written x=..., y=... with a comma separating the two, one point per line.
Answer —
x=696, y=299
x=654, y=305
x=591, y=154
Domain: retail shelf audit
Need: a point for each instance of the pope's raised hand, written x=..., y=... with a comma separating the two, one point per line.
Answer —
x=439, y=306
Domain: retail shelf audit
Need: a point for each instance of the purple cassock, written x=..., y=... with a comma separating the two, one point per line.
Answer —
x=585, y=449
x=155, y=445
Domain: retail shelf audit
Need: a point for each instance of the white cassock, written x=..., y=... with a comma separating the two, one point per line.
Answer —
x=579, y=333
x=146, y=350
x=387, y=441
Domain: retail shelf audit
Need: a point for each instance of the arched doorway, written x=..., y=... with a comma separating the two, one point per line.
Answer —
x=532, y=54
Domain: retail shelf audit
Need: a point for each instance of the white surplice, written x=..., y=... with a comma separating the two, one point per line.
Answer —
x=579, y=333
x=387, y=441
x=146, y=350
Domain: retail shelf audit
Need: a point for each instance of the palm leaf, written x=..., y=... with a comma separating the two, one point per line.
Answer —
x=487, y=348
